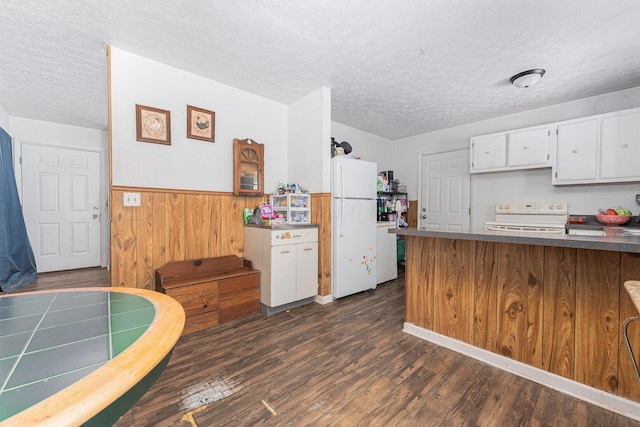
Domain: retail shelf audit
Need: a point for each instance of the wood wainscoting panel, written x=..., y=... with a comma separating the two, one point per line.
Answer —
x=172, y=225
x=597, y=308
x=199, y=229
x=558, y=344
x=520, y=290
x=412, y=213
x=486, y=297
x=175, y=227
x=628, y=385
x=321, y=215
x=454, y=294
x=420, y=280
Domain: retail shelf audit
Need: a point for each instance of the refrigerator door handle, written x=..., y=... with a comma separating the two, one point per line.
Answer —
x=340, y=221
x=341, y=181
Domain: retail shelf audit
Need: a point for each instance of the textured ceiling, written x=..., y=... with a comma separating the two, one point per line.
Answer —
x=396, y=68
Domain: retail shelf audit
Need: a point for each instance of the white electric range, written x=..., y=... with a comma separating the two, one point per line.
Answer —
x=530, y=217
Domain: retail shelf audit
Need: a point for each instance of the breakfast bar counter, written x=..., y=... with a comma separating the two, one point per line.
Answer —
x=611, y=242
x=82, y=356
x=552, y=305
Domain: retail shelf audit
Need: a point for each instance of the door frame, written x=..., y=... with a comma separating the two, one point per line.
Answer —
x=105, y=233
x=419, y=168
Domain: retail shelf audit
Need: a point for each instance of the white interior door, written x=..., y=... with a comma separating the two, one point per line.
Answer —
x=445, y=194
x=61, y=205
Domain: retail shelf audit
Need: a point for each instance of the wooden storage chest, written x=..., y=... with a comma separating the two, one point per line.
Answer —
x=211, y=290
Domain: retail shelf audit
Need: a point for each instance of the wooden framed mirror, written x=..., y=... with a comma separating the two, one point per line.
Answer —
x=248, y=165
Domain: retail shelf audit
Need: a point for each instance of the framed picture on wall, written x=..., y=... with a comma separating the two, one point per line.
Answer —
x=153, y=125
x=201, y=124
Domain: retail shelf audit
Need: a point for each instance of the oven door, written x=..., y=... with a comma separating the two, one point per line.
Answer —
x=524, y=227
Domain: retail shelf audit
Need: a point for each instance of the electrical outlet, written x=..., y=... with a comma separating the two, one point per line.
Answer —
x=132, y=199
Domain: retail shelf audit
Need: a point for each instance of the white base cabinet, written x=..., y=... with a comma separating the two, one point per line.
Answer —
x=288, y=260
x=386, y=253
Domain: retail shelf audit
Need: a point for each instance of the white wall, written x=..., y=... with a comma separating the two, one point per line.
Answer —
x=367, y=146
x=308, y=156
x=4, y=119
x=487, y=189
x=188, y=163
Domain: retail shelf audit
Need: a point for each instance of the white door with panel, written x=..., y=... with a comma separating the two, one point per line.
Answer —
x=445, y=190
x=61, y=205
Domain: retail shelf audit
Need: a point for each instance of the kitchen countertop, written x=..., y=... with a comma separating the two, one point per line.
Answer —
x=283, y=226
x=610, y=242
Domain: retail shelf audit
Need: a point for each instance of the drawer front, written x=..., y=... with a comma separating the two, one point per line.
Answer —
x=200, y=321
x=239, y=304
x=197, y=299
x=190, y=293
x=296, y=235
x=236, y=284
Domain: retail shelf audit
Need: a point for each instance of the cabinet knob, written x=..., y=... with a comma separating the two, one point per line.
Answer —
x=526, y=147
x=575, y=151
x=487, y=152
x=424, y=217
x=624, y=145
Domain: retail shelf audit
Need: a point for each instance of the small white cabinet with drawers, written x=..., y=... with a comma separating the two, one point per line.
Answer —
x=294, y=207
x=287, y=257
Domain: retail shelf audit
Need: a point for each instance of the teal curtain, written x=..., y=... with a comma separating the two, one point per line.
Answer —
x=17, y=263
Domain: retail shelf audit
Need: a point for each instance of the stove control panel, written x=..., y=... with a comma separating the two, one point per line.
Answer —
x=533, y=208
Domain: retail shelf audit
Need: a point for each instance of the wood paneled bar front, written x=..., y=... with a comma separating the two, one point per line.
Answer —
x=555, y=303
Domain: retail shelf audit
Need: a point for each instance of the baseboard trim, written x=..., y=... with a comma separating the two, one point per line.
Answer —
x=608, y=401
x=323, y=299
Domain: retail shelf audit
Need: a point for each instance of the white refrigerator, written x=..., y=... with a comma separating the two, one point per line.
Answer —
x=353, y=226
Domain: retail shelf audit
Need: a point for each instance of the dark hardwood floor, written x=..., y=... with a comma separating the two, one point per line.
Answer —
x=343, y=364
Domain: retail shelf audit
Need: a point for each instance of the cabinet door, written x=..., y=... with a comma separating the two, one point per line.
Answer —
x=576, y=151
x=529, y=147
x=620, y=146
x=307, y=272
x=283, y=274
x=386, y=255
x=488, y=152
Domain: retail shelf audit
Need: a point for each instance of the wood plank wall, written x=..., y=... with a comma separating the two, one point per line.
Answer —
x=321, y=215
x=412, y=213
x=558, y=309
x=175, y=225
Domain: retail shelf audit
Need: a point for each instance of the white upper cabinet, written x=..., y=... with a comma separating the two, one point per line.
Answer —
x=517, y=149
x=488, y=152
x=529, y=147
x=620, y=146
x=598, y=149
x=576, y=151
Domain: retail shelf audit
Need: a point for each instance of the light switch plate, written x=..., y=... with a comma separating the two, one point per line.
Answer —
x=131, y=199
x=638, y=199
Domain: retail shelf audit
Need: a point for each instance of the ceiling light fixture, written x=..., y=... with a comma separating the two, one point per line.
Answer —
x=527, y=78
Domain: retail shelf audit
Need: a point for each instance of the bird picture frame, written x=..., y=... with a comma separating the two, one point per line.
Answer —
x=201, y=124
x=153, y=125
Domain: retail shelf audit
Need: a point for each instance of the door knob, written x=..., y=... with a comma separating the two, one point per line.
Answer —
x=424, y=209
x=424, y=217
x=95, y=215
